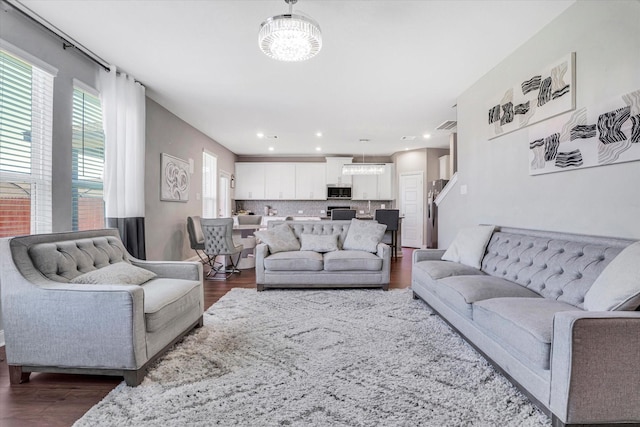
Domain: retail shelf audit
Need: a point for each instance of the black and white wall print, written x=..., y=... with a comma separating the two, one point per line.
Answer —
x=602, y=135
x=535, y=98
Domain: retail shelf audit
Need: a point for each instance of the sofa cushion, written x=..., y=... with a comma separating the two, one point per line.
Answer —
x=120, y=273
x=294, y=261
x=279, y=239
x=618, y=286
x=352, y=260
x=469, y=245
x=364, y=235
x=168, y=299
x=319, y=242
x=462, y=291
x=523, y=325
x=439, y=269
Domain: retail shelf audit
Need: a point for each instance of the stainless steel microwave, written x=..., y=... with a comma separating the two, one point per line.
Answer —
x=338, y=193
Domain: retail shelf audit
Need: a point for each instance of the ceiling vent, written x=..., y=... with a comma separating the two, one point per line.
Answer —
x=448, y=125
x=271, y=136
x=407, y=138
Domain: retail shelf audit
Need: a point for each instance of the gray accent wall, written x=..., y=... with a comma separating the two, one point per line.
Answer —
x=166, y=222
x=601, y=200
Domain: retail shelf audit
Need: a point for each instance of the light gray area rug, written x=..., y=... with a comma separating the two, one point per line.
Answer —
x=319, y=358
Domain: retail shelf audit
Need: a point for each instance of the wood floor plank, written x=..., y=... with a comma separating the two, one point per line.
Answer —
x=58, y=400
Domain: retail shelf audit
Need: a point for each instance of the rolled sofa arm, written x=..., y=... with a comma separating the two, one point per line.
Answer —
x=427, y=255
x=594, y=367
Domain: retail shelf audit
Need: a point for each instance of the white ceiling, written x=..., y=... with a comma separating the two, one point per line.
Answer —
x=387, y=69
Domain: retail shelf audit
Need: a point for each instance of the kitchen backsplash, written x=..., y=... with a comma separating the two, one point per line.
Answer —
x=308, y=207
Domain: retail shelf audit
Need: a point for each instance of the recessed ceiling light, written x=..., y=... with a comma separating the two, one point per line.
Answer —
x=260, y=135
x=426, y=136
x=271, y=148
x=318, y=148
x=318, y=134
x=406, y=149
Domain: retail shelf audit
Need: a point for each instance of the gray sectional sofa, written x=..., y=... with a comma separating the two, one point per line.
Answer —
x=71, y=304
x=333, y=268
x=538, y=308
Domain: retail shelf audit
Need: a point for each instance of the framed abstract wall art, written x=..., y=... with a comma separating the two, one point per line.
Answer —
x=536, y=97
x=174, y=179
x=604, y=134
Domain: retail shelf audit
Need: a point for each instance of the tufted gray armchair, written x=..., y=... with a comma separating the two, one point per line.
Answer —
x=218, y=240
x=106, y=327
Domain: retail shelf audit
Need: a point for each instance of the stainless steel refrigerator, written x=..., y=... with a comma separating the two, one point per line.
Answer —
x=433, y=189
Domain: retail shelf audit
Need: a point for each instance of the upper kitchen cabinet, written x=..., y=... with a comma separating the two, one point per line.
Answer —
x=334, y=171
x=280, y=181
x=250, y=179
x=311, y=181
x=374, y=187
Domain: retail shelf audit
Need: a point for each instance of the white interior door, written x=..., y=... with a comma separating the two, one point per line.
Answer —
x=412, y=208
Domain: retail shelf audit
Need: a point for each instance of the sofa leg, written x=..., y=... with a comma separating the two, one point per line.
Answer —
x=385, y=287
x=200, y=323
x=260, y=287
x=415, y=296
x=17, y=376
x=134, y=378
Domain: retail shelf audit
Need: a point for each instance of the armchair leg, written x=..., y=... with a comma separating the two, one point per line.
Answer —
x=17, y=376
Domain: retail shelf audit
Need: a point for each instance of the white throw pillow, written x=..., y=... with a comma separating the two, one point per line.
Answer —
x=469, y=245
x=279, y=239
x=319, y=242
x=364, y=235
x=618, y=286
x=119, y=273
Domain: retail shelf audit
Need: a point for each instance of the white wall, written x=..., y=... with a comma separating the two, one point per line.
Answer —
x=602, y=200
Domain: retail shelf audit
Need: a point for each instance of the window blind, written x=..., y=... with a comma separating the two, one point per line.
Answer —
x=87, y=162
x=26, y=107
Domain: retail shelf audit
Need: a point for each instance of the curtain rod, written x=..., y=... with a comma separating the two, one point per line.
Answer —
x=67, y=41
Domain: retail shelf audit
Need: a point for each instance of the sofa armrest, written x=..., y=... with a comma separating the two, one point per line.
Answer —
x=186, y=270
x=260, y=253
x=69, y=325
x=594, y=367
x=427, y=255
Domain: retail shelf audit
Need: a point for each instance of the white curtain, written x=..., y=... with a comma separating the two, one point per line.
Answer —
x=124, y=117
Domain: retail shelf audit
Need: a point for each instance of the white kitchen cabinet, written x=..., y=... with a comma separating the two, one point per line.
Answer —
x=280, y=181
x=334, y=171
x=374, y=187
x=311, y=181
x=250, y=181
x=385, y=183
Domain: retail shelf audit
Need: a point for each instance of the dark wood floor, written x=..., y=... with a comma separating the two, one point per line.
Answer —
x=59, y=400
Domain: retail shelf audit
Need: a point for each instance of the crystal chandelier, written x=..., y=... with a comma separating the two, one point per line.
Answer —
x=290, y=37
x=363, y=168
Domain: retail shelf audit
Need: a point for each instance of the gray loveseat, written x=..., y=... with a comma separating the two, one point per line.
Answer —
x=310, y=269
x=524, y=309
x=54, y=325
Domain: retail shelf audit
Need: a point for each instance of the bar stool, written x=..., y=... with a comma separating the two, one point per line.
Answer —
x=391, y=218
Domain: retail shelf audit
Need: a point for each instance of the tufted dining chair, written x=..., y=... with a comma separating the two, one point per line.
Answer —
x=218, y=240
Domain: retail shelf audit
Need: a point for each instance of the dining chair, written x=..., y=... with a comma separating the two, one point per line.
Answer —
x=218, y=240
x=337, y=214
x=391, y=218
x=196, y=239
x=249, y=219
